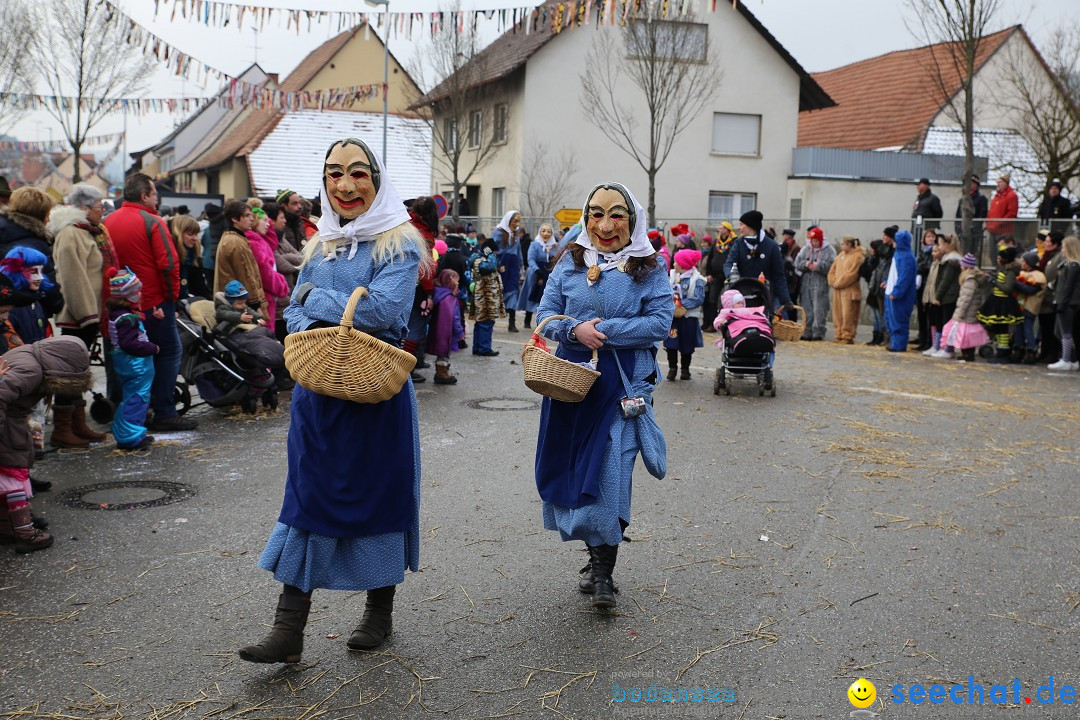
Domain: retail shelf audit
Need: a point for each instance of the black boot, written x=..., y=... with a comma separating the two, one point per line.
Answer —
x=512, y=327
x=673, y=364
x=285, y=642
x=685, y=367
x=377, y=624
x=1029, y=357
x=603, y=564
x=585, y=582
x=528, y=320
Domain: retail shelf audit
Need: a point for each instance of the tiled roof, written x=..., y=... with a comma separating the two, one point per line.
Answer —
x=291, y=153
x=514, y=48
x=238, y=141
x=887, y=101
x=1007, y=152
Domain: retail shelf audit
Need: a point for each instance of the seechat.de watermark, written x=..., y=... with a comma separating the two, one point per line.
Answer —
x=975, y=693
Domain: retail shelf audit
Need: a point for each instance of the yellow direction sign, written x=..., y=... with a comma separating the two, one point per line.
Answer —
x=568, y=216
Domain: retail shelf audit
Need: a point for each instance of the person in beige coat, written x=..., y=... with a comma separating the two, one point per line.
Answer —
x=82, y=253
x=234, y=260
x=847, y=294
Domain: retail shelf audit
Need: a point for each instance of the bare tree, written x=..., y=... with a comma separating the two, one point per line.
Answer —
x=1045, y=98
x=956, y=28
x=546, y=179
x=81, y=52
x=16, y=20
x=671, y=64
x=468, y=125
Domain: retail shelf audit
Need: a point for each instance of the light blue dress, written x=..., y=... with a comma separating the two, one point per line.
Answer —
x=538, y=258
x=637, y=316
x=310, y=560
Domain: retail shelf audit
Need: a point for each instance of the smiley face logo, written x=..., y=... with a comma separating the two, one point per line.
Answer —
x=862, y=693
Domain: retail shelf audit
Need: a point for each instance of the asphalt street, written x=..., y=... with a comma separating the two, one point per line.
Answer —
x=885, y=516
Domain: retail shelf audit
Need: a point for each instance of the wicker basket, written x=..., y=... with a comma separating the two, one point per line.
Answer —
x=345, y=363
x=552, y=376
x=789, y=329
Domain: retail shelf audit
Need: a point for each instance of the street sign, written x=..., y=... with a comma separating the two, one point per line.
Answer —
x=568, y=216
x=441, y=205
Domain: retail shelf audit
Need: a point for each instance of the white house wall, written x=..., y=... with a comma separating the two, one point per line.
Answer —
x=864, y=204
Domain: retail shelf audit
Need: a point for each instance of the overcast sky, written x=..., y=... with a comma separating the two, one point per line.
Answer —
x=820, y=34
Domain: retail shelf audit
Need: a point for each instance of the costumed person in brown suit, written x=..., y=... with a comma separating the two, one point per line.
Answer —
x=847, y=293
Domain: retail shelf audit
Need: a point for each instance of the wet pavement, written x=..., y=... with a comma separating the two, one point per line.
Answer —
x=885, y=516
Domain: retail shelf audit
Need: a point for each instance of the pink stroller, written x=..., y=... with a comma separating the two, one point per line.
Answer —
x=749, y=347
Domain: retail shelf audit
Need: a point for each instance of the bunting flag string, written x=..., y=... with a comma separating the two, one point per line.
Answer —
x=57, y=145
x=237, y=91
x=526, y=18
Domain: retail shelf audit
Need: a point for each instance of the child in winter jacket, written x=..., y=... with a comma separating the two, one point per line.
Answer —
x=232, y=311
x=1001, y=311
x=964, y=332
x=24, y=268
x=445, y=330
x=133, y=360
x=54, y=366
x=1031, y=284
x=685, y=333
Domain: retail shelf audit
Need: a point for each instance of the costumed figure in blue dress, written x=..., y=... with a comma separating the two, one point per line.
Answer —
x=350, y=519
x=505, y=236
x=900, y=293
x=541, y=253
x=610, y=280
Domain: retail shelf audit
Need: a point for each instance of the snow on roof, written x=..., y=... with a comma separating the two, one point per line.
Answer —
x=291, y=156
x=1006, y=151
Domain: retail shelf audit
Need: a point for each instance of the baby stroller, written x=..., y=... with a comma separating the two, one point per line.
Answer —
x=748, y=342
x=223, y=372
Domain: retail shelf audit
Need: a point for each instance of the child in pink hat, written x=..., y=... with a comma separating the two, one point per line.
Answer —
x=685, y=334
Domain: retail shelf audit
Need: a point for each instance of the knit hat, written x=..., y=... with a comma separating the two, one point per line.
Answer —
x=730, y=297
x=680, y=229
x=1031, y=258
x=283, y=195
x=1008, y=254
x=441, y=247
x=687, y=259
x=729, y=226
x=968, y=261
x=653, y=234
x=123, y=283
x=816, y=233
x=235, y=290
x=753, y=220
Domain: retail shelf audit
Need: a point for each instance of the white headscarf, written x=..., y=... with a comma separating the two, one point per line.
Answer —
x=385, y=213
x=504, y=224
x=639, y=240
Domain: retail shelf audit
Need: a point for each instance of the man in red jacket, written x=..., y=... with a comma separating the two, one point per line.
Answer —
x=143, y=244
x=1004, y=204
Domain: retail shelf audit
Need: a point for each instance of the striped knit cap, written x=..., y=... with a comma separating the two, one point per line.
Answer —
x=124, y=284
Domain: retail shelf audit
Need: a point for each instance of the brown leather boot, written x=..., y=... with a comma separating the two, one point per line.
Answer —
x=285, y=642
x=377, y=624
x=442, y=373
x=79, y=426
x=27, y=537
x=63, y=436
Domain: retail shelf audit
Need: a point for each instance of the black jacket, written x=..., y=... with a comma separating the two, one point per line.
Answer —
x=1055, y=208
x=929, y=206
x=765, y=259
x=982, y=207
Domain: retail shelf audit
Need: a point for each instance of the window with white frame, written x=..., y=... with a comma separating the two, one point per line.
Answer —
x=735, y=134
x=476, y=127
x=498, y=201
x=729, y=205
x=499, y=127
x=795, y=212
x=665, y=38
x=450, y=135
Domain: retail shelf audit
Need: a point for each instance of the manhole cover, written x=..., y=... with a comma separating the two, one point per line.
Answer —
x=502, y=404
x=127, y=495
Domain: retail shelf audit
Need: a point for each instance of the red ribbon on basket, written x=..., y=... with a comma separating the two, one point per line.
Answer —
x=539, y=344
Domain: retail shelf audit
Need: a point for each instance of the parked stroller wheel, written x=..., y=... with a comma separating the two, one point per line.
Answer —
x=986, y=352
x=270, y=399
x=718, y=382
x=727, y=384
x=767, y=379
x=772, y=390
x=182, y=397
x=249, y=404
x=101, y=409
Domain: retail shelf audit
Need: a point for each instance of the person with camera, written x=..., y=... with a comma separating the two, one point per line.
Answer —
x=620, y=304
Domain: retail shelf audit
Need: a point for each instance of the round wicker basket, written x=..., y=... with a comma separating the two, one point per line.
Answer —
x=552, y=376
x=789, y=329
x=345, y=363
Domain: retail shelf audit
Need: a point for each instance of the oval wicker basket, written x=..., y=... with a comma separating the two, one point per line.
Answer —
x=345, y=363
x=790, y=330
x=552, y=376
